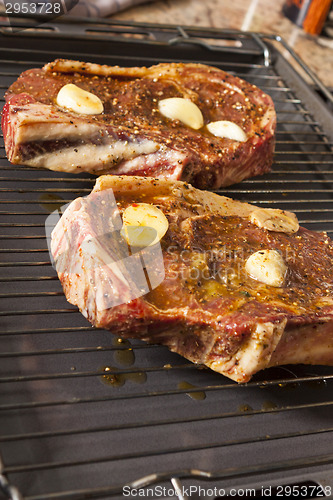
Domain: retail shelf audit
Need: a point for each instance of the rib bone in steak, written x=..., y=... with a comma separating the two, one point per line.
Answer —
x=209, y=308
x=132, y=136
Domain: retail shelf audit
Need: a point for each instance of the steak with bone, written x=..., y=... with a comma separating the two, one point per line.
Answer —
x=243, y=288
x=133, y=135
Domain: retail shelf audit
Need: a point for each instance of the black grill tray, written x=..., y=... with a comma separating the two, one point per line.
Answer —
x=67, y=433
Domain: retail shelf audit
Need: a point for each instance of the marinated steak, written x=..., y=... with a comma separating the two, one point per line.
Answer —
x=220, y=303
x=132, y=136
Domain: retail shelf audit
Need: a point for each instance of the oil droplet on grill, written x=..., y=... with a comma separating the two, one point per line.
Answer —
x=124, y=356
x=51, y=202
x=268, y=405
x=114, y=378
x=288, y=386
x=111, y=377
x=118, y=341
x=244, y=408
x=197, y=395
x=137, y=377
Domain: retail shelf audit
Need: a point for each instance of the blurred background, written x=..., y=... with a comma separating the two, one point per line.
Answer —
x=306, y=25
x=264, y=16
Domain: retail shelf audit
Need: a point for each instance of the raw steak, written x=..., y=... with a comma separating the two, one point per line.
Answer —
x=207, y=308
x=131, y=136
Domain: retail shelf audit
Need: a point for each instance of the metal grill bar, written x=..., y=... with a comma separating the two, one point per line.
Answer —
x=166, y=393
x=49, y=190
x=317, y=153
x=152, y=423
x=57, y=465
x=50, y=331
x=264, y=191
x=30, y=202
x=64, y=402
x=19, y=264
x=37, y=311
x=290, y=181
x=47, y=179
x=76, y=350
x=8, y=380
x=29, y=294
x=303, y=172
x=29, y=278
x=20, y=237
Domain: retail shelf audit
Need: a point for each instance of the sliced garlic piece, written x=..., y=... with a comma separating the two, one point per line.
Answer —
x=267, y=266
x=143, y=224
x=274, y=219
x=227, y=129
x=178, y=108
x=72, y=97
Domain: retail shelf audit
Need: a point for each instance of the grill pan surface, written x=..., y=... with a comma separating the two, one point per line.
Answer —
x=70, y=427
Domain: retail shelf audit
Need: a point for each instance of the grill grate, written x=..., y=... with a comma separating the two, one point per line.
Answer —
x=83, y=414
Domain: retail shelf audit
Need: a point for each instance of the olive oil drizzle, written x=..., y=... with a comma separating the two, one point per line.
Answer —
x=51, y=202
x=124, y=356
x=196, y=395
x=114, y=378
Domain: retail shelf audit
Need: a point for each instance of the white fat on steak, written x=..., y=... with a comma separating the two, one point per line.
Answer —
x=175, y=159
x=267, y=266
x=103, y=150
x=82, y=157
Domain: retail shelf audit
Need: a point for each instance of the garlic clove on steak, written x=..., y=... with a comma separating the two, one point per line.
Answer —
x=274, y=219
x=267, y=266
x=227, y=129
x=178, y=108
x=143, y=224
x=80, y=101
